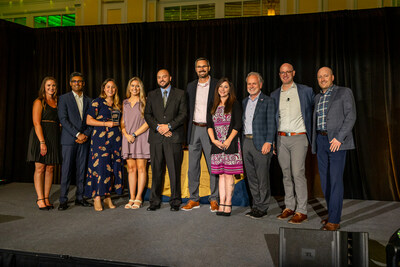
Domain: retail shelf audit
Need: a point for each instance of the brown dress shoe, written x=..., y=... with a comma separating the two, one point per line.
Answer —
x=191, y=205
x=298, y=218
x=324, y=221
x=330, y=227
x=285, y=214
x=214, y=206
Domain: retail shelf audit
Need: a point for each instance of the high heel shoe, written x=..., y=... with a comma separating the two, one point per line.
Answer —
x=220, y=213
x=227, y=213
x=107, y=201
x=97, y=204
x=42, y=208
x=50, y=206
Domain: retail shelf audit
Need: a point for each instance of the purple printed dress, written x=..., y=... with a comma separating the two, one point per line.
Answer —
x=225, y=163
x=133, y=119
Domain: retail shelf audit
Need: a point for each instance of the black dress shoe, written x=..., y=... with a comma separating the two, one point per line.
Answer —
x=63, y=206
x=174, y=208
x=83, y=203
x=153, y=208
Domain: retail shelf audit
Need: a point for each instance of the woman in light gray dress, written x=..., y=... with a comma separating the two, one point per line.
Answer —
x=135, y=147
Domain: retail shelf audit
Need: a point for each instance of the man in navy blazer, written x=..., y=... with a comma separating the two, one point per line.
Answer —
x=294, y=106
x=75, y=136
x=333, y=120
x=200, y=96
x=258, y=135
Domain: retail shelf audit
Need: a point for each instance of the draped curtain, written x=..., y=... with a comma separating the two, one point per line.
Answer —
x=360, y=46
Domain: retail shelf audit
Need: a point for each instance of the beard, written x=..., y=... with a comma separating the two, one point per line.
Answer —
x=165, y=85
x=203, y=74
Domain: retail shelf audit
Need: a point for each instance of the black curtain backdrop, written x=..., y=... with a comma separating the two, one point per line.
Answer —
x=362, y=48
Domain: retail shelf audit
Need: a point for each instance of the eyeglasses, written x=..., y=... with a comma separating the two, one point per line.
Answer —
x=76, y=81
x=202, y=67
x=285, y=72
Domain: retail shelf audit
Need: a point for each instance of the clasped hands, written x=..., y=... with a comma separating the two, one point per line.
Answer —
x=163, y=129
x=222, y=145
x=82, y=138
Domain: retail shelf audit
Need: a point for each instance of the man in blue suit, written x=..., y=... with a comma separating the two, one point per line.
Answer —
x=333, y=120
x=293, y=117
x=258, y=136
x=75, y=136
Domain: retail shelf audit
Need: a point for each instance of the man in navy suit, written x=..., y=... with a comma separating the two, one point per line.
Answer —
x=200, y=96
x=293, y=117
x=75, y=136
x=165, y=113
x=333, y=120
x=259, y=134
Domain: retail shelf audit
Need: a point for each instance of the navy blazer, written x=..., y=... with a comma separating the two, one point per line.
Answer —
x=340, y=119
x=191, y=100
x=70, y=119
x=306, y=97
x=174, y=113
x=264, y=125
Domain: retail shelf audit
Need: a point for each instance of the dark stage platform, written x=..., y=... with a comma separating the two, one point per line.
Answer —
x=194, y=238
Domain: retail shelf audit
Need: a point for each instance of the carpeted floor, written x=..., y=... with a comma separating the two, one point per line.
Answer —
x=193, y=238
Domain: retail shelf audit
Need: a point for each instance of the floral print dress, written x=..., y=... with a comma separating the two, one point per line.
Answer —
x=105, y=163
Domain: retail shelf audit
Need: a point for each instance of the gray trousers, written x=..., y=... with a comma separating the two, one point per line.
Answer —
x=292, y=152
x=257, y=172
x=200, y=142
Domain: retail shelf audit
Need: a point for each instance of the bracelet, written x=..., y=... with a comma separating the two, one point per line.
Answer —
x=134, y=135
x=42, y=142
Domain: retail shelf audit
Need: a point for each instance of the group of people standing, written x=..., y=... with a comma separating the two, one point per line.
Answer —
x=233, y=137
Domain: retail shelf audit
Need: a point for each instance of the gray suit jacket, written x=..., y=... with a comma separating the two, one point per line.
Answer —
x=340, y=118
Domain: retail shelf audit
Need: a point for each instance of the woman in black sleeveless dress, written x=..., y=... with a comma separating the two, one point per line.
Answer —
x=44, y=141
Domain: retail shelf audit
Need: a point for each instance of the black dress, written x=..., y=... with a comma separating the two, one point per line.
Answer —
x=51, y=132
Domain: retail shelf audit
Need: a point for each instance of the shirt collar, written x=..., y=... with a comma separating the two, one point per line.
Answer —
x=206, y=83
x=257, y=97
x=168, y=89
x=76, y=95
x=291, y=87
x=327, y=91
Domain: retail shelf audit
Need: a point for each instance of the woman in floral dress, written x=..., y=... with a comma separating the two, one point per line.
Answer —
x=224, y=122
x=104, y=167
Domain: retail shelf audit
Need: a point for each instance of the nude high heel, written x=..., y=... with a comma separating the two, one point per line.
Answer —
x=97, y=204
x=107, y=201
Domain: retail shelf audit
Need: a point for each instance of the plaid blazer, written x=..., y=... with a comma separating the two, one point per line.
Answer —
x=264, y=125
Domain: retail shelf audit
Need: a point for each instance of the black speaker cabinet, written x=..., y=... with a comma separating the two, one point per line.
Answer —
x=309, y=247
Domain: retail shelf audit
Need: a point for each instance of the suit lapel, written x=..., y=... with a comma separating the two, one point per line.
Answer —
x=170, y=96
x=75, y=105
x=259, y=103
x=333, y=95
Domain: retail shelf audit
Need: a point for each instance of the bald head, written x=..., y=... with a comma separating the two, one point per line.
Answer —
x=325, y=78
x=286, y=73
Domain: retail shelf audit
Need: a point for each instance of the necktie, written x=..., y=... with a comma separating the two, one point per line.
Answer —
x=165, y=97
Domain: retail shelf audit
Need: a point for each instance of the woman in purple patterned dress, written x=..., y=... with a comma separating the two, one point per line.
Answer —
x=224, y=122
x=135, y=147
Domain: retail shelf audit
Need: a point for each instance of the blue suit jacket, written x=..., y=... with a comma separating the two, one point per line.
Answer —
x=306, y=97
x=70, y=118
x=340, y=119
x=264, y=126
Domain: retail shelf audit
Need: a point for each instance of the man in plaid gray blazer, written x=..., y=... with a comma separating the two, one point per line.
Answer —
x=258, y=136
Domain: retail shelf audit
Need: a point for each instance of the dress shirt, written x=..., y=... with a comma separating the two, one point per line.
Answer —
x=79, y=103
x=200, y=106
x=290, y=117
x=249, y=114
x=322, y=109
x=168, y=91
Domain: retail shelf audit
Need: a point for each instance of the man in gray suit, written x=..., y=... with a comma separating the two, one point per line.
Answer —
x=294, y=103
x=259, y=133
x=333, y=120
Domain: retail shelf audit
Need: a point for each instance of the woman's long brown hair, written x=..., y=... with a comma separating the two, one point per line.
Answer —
x=217, y=99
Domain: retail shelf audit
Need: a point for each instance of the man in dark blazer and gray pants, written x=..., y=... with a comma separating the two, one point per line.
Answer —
x=200, y=96
x=294, y=107
x=333, y=120
x=258, y=135
x=75, y=136
x=165, y=113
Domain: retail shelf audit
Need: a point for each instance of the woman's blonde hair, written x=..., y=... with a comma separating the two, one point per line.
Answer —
x=142, y=93
x=116, y=104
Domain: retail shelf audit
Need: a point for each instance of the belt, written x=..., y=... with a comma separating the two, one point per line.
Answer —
x=200, y=124
x=290, y=134
x=49, y=121
x=324, y=133
x=250, y=136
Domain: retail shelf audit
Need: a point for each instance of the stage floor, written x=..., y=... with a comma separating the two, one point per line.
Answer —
x=163, y=237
